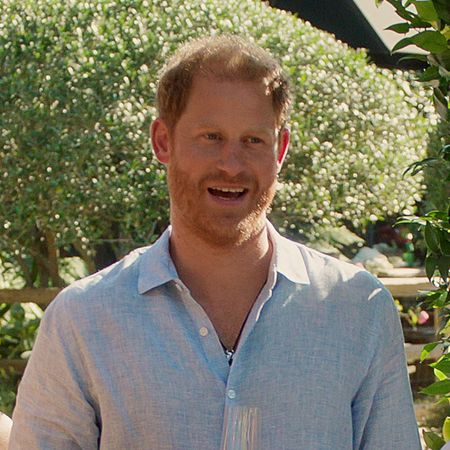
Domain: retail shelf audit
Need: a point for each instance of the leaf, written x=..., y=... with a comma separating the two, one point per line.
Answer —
x=446, y=429
x=438, y=388
x=443, y=9
x=439, y=375
x=430, y=265
x=427, y=349
x=411, y=220
x=436, y=214
x=402, y=27
x=431, y=73
x=402, y=11
x=444, y=242
x=401, y=44
x=443, y=299
x=433, y=41
x=426, y=11
x=417, y=23
x=444, y=266
x=433, y=296
x=444, y=59
x=432, y=238
x=433, y=440
x=443, y=364
x=414, y=57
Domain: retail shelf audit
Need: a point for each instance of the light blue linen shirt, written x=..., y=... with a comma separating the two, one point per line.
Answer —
x=126, y=359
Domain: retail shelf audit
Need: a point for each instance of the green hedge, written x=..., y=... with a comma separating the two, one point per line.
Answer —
x=77, y=88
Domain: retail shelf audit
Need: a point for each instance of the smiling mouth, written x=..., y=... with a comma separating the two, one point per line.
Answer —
x=227, y=193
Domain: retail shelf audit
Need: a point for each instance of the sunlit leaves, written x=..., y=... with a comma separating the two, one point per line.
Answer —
x=433, y=440
x=77, y=94
x=432, y=41
x=437, y=388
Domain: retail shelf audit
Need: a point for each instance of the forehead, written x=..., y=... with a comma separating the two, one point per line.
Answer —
x=214, y=99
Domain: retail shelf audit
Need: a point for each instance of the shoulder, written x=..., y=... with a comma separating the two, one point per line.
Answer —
x=320, y=267
x=101, y=289
x=352, y=293
x=334, y=270
x=340, y=281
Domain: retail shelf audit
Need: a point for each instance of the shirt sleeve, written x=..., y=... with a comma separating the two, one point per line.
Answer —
x=382, y=410
x=54, y=409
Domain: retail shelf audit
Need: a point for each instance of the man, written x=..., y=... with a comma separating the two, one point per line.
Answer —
x=223, y=330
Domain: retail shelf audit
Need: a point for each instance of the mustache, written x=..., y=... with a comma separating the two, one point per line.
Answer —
x=219, y=177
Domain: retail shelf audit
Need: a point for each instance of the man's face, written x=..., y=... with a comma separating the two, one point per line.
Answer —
x=223, y=157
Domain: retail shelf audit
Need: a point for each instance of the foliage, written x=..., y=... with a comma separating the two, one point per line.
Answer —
x=18, y=325
x=77, y=89
x=8, y=387
x=431, y=21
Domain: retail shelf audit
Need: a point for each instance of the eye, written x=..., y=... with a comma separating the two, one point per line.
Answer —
x=212, y=136
x=254, y=140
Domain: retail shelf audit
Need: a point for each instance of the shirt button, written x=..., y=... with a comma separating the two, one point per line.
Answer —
x=231, y=393
x=203, y=331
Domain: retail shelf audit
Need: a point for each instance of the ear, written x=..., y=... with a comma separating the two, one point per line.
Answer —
x=160, y=140
x=283, y=145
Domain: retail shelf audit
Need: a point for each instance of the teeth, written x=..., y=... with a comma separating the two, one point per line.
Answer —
x=229, y=189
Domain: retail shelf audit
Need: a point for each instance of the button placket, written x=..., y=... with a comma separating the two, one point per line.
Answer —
x=206, y=335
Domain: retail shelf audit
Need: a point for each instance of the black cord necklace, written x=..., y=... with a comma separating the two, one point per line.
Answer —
x=229, y=354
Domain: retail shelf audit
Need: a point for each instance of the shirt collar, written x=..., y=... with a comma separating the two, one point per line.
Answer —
x=287, y=258
x=157, y=268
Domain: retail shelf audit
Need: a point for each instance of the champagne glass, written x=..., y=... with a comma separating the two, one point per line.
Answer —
x=241, y=428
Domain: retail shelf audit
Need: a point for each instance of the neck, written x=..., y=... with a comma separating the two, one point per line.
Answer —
x=224, y=265
x=225, y=281
x=191, y=251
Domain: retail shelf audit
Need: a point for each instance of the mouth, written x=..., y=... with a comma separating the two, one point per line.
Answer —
x=227, y=193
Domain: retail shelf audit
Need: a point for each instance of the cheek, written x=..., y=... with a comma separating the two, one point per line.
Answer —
x=191, y=156
x=267, y=168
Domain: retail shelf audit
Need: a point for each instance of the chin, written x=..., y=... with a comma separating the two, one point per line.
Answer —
x=228, y=232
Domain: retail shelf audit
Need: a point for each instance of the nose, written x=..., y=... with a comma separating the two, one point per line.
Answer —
x=231, y=158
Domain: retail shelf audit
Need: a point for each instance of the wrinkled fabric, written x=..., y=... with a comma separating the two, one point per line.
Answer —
x=126, y=358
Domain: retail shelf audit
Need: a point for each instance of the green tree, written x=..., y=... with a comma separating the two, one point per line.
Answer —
x=77, y=88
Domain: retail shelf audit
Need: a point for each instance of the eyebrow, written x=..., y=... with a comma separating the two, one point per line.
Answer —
x=258, y=129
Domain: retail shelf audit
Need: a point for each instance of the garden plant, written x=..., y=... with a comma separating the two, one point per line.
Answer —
x=431, y=22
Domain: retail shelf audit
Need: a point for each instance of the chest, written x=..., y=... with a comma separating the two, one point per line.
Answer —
x=228, y=319
x=165, y=379
x=227, y=305
x=164, y=365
